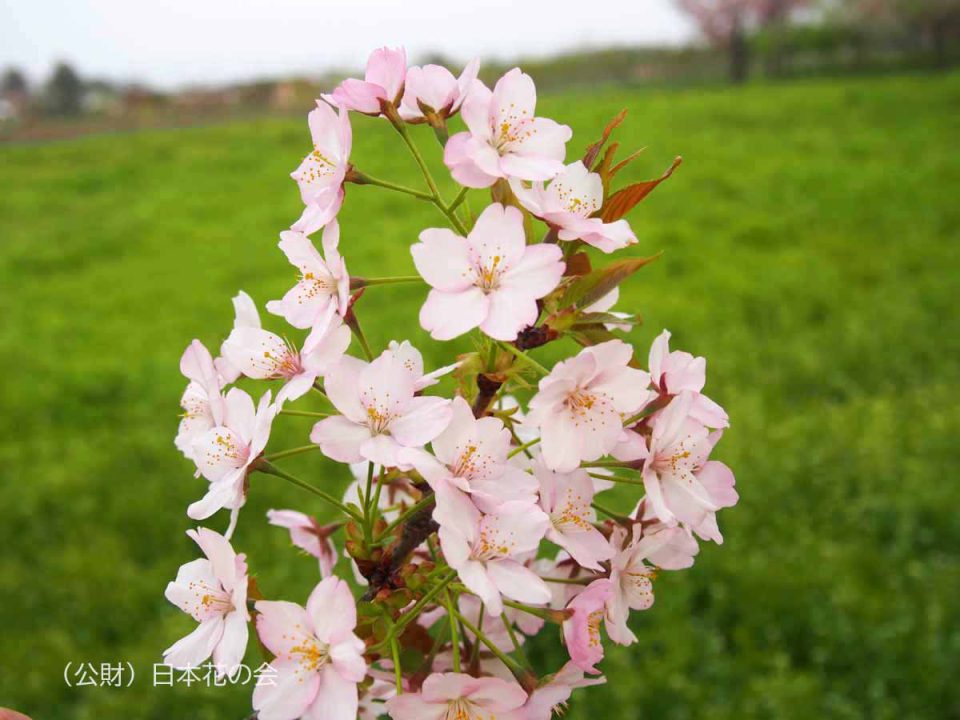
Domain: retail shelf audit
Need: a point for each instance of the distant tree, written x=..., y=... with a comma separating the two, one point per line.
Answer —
x=64, y=91
x=14, y=81
x=727, y=23
x=938, y=21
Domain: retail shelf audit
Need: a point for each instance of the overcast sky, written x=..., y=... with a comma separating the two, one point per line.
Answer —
x=171, y=43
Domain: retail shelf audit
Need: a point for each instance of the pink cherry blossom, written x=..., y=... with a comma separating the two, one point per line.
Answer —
x=308, y=535
x=322, y=173
x=678, y=449
x=381, y=414
x=324, y=280
x=433, y=88
x=569, y=204
x=581, y=631
x=382, y=83
x=632, y=582
x=202, y=403
x=471, y=455
x=566, y=499
x=674, y=372
x=580, y=404
x=263, y=355
x=550, y=698
x=482, y=548
x=412, y=361
x=459, y=696
x=504, y=138
x=491, y=279
x=319, y=659
x=214, y=592
x=225, y=452
x=245, y=316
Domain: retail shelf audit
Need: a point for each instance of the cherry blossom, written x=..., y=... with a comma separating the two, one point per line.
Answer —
x=225, y=452
x=491, y=279
x=569, y=204
x=460, y=696
x=308, y=535
x=322, y=173
x=263, y=355
x=324, y=280
x=504, y=138
x=412, y=361
x=319, y=659
x=632, y=582
x=434, y=89
x=550, y=698
x=471, y=455
x=382, y=83
x=213, y=591
x=674, y=372
x=245, y=316
x=381, y=414
x=202, y=402
x=566, y=499
x=678, y=449
x=482, y=548
x=580, y=405
x=581, y=631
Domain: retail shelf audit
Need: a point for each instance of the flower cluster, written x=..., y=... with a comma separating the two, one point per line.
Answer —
x=476, y=518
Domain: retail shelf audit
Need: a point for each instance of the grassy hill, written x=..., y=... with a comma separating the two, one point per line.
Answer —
x=811, y=254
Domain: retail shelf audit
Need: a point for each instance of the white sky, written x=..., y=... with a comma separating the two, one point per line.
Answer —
x=171, y=43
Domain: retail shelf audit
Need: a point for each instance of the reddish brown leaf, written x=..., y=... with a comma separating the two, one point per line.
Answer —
x=625, y=199
x=586, y=290
x=578, y=264
x=590, y=156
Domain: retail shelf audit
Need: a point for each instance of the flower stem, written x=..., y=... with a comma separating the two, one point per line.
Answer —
x=420, y=504
x=358, y=282
x=304, y=413
x=623, y=519
x=458, y=199
x=292, y=451
x=265, y=466
x=412, y=613
x=512, y=664
x=614, y=478
x=514, y=639
x=366, y=179
x=395, y=650
x=526, y=358
x=454, y=634
x=353, y=323
x=425, y=171
x=542, y=613
x=523, y=448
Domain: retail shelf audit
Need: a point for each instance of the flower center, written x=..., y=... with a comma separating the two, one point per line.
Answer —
x=573, y=513
x=209, y=600
x=378, y=419
x=462, y=709
x=313, y=655
x=490, y=545
x=593, y=626
x=488, y=278
x=227, y=447
x=315, y=285
x=282, y=364
x=580, y=401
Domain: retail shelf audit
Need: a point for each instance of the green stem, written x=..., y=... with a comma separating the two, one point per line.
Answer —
x=292, y=451
x=512, y=664
x=419, y=505
x=398, y=671
x=370, y=180
x=514, y=639
x=646, y=412
x=304, y=413
x=354, y=325
x=542, y=613
x=265, y=466
x=523, y=448
x=516, y=352
x=458, y=199
x=610, y=513
x=415, y=151
x=454, y=634
x=358, y=282
x=412, y=613
x=614, y=478
x=375, y=503
x=567, y=581
x=606, y=464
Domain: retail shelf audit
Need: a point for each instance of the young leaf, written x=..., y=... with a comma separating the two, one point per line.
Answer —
x=625, y=199
x=586, y=290
x=593, y=150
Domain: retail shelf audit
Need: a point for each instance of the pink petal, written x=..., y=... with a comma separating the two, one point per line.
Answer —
x=340, y=438
x=443, y=260
x=449, y=315
x=287, y=695
x=194, y=649
x=425, y=418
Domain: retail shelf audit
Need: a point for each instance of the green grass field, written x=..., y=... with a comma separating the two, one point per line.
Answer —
x=811, y=254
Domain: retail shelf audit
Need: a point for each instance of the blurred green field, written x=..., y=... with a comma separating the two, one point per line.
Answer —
x=811, y=253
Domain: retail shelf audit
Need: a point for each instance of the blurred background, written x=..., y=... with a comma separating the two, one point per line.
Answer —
x=810, y=253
